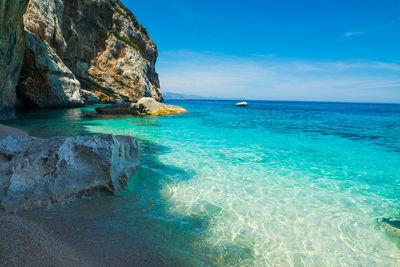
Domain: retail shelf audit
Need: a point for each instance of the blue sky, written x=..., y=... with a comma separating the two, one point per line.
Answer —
x=282, y=50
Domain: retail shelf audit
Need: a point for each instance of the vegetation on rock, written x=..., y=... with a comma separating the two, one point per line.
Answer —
x=126, y=40
x=130, y=16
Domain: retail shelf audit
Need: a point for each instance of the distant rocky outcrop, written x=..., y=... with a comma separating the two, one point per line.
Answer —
x=11, y=52
x=73, y=53
x=178, y=96
x=38, y=172
x=145, y=106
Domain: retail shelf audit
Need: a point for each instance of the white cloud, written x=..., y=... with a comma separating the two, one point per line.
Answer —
x=268, y=77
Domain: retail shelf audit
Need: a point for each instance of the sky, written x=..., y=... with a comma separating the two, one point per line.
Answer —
x=312, y=50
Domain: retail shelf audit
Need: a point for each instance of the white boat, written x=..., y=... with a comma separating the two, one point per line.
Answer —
x=241, y=104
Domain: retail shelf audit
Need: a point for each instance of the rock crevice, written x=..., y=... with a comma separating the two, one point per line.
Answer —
x=11, y=52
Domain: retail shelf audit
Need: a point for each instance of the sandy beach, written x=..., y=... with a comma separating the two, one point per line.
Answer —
x=25, y=243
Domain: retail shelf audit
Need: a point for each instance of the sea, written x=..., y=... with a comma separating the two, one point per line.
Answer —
x=272, y=184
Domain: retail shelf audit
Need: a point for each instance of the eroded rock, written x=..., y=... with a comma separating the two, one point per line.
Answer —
x=11, y=52
x=145, y=106
x=37, y=172
x=45, y=81
x=99, y=42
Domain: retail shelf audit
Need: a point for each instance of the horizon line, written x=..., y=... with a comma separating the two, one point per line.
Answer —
x=270, y=100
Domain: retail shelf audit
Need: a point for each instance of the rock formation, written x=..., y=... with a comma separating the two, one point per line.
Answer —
x=99, y=43
x=11, y=52
x=45, y=81
x=145, y=106
x=37, y=172
x=75, y=52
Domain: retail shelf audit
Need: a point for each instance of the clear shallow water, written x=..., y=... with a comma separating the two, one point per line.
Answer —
x=274, y=183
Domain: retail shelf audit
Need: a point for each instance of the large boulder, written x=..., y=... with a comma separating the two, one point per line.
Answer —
x=145, y=106
x=38, y=172
x=11, y=52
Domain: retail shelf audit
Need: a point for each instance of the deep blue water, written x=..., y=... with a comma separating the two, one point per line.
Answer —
x=274, y=183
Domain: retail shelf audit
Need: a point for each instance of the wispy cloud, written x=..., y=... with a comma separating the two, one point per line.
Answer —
x=353, y=33
x=269, y=77
x=372, y=29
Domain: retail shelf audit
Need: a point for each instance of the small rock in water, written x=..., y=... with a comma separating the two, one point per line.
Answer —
x=145, y=106
x=241, y=104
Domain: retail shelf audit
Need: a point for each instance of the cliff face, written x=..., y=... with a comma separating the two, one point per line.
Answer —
x=74, y=51
x=99, y=41
x=11, y=52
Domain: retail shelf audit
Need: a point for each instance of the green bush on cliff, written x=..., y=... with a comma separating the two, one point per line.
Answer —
x=130, y=16
x=126, y=40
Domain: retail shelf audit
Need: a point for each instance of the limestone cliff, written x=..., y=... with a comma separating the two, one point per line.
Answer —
x=99, y=41
x=11, y=52
x=75, y=52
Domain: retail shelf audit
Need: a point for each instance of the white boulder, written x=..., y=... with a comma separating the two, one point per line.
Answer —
x=38, y=172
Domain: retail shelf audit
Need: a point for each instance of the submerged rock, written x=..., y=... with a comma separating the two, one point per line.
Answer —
x=118, y=108
x=38, y=172
x=145, y=106
x=391, y=227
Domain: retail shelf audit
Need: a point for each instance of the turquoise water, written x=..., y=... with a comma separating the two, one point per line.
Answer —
x=274, y=183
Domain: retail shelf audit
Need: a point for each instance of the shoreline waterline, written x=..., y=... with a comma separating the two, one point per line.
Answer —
x=287, y=183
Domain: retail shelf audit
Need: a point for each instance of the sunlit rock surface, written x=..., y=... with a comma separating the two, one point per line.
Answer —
x=102, y=49
x=145, y=106
x=45, y=80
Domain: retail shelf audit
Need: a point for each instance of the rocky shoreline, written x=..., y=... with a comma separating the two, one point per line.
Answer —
x=38, y=173
x=62, y=53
